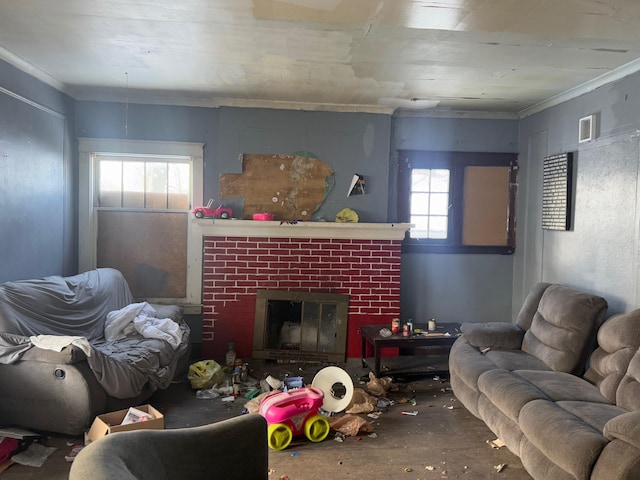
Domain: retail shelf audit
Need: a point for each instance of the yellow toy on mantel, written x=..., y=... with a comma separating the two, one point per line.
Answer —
x=346, y=215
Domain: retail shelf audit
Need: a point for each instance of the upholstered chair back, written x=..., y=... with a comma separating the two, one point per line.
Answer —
x=562, y=332
x=618, y=341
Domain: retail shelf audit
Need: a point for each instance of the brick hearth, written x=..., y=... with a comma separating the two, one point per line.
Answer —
x=234, y=267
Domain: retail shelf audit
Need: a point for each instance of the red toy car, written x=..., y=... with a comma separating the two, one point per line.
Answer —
x=208, y=212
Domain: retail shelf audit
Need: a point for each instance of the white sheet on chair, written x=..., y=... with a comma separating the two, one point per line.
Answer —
x=58, y=342
x=141, y=318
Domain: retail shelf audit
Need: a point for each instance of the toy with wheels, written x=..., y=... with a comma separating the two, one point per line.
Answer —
x=294, y=413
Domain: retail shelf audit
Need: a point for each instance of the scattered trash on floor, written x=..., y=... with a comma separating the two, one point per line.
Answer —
x=374, y=415
x=500, y=467
x=75, y=450
x=205, y=374
x=295, y=454
x=361, y=402
x=431, y=468
x=450, y=407
x=373, y=435
x=351, y=425
x=339, y=437
x=408, y=469
x=34, y=456
x=207, y=393
x=378, y=386
x=497, y=443
x=413, y=414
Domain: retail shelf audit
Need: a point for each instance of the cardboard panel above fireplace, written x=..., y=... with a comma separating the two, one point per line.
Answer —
x=291, y=187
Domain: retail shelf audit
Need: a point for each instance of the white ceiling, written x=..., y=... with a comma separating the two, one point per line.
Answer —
x=500, y=56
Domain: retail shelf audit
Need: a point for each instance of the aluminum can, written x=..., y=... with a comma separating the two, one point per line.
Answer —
x=395, y=325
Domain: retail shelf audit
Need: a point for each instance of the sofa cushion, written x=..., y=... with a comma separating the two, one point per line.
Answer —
x=568, y=433
x=618, y=340
x=563, y=328
x=530, y=306
x=628, y=393
x=515, y=360
x=538, y=465
x=624, y=427
x=493, y=335
x=510, y=391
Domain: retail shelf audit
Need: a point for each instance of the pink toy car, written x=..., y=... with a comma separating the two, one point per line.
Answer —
x=293, y=413
x=208, y=212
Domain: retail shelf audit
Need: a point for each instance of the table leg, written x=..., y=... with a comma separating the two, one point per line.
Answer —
x=376, y=350
x=363, y=349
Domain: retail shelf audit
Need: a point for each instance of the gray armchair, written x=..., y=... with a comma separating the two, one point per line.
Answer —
x=234, y=449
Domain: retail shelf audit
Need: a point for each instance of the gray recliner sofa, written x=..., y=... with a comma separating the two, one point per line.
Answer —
x=63, y=389
x=562, y=424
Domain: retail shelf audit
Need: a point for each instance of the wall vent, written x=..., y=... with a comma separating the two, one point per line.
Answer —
x=587, y=129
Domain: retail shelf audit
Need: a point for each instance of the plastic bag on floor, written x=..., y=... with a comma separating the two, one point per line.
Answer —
x=205, y=374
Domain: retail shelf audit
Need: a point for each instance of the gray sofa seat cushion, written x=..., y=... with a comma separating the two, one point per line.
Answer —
x=510, y=391
x=515, y=360
x=563, y=328
x=466, y=364
x=568, y=433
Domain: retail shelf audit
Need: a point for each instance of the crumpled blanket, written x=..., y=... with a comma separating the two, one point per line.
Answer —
x=58, y=342
x=141, y=318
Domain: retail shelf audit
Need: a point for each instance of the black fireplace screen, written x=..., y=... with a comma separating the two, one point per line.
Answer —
x=296, y=325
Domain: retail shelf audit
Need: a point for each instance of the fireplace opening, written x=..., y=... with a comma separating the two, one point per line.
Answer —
x=293, y=325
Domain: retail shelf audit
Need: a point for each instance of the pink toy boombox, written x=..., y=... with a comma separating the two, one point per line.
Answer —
x=294, y=413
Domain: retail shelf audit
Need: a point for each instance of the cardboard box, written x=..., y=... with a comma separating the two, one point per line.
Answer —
x=111, y=422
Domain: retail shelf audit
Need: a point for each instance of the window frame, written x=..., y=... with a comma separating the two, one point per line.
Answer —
x=456, y=162
x=88, y=150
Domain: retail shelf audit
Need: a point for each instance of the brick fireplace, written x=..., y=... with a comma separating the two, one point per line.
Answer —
x=241, y=257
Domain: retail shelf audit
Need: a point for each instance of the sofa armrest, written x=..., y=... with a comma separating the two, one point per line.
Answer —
x=625, y=427
x=493, y=335
x=68, y=355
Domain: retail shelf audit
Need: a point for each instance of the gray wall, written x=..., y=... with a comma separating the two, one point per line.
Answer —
x=600, y=253
x=37, y=179
x=454, y=287
x=348, y=142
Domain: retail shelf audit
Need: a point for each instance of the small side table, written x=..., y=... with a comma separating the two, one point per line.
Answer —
x=444, y=336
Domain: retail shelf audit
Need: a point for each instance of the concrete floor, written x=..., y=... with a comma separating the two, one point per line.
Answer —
x=442, y=441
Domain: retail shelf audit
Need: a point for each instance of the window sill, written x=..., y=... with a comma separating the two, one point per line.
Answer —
x=416, y=246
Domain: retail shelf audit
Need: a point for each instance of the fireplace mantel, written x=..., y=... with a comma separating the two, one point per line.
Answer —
x=251, y=228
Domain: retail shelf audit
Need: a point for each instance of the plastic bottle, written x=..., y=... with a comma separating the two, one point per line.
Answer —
x=231, y=354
